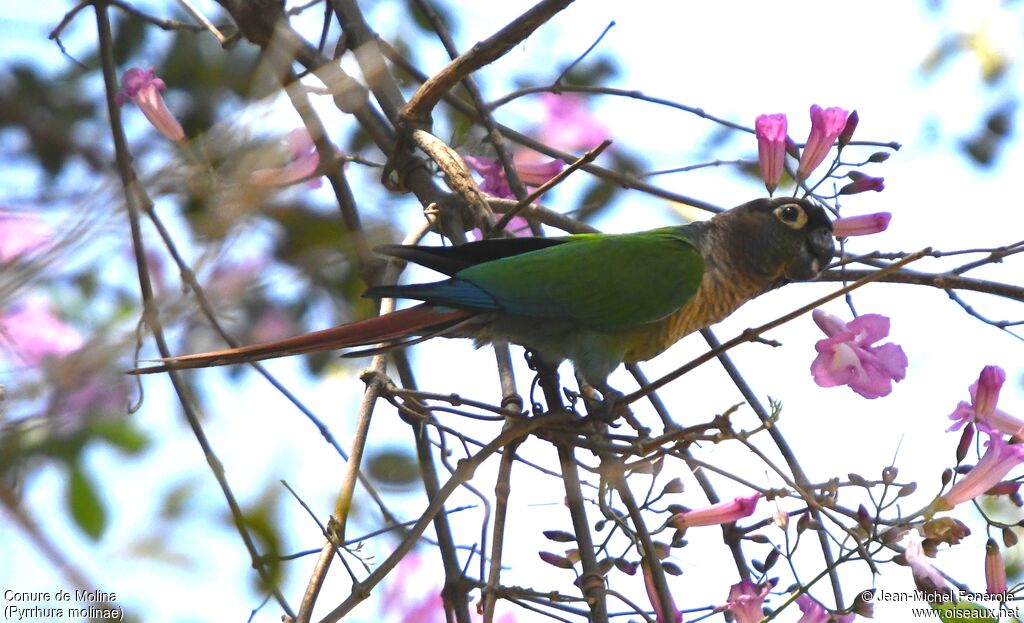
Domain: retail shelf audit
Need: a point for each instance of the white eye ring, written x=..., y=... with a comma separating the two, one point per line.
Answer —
x=792, y=215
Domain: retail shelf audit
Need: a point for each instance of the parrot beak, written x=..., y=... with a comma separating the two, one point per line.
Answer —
x=814, y=257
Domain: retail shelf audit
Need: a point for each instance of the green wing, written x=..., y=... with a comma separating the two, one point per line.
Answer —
x=600, y=281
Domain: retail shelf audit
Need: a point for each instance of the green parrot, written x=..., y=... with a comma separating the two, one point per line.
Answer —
x=597, y=300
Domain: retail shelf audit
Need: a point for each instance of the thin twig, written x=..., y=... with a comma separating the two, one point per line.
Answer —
x=420, y=105
x=205, y=23
x=548, y=185
x=586, y=53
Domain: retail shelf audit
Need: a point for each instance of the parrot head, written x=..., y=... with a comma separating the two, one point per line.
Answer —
x=785, y=237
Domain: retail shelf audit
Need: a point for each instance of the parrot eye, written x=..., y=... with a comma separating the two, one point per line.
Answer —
x=792, y=215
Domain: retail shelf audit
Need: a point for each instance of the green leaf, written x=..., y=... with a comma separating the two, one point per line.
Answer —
x=121, y=434
x=393, y=467
x=85, y=505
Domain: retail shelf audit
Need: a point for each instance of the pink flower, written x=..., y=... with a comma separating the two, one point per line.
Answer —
x=413, y=606
x=771, y=148
x=997, y=461
x=723, y=512
x=143, y=88
x=826, y=125
x=995, y=570
x=862, y=225
x=659, y=615
x=21, y=233
x=982, y=408
x=496, y=184
x=304, y=163
x=746, y=600
x=32, y=333
x=813, y=611
x=862, y=183
x=405, y=601
x=847, y=357
x=569, y=124
x=926, y=577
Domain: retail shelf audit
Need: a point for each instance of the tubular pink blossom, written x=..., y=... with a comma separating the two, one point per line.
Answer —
x=998, y=460
x=862, y=225
x=995, y=570
x=771, y=148
x=143, y=88
x=659, y=615
x=987, y=395
x=538, y=173
x=813, y=611
x=723, y=512
x=303, y=165
x=847, y=356
x=826, y=125
x=746, y=600
x=983, y=407
x=530, y=172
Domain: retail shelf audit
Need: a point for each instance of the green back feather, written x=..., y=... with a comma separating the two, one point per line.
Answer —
x=603, y=282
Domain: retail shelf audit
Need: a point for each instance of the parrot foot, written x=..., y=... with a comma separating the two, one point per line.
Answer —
x=610, y=407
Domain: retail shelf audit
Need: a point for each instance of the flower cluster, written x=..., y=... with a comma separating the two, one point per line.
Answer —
x=827, y=126
x=1000, y=455
x=847, y=356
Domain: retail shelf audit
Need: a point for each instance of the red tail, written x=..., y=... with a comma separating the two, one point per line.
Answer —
x=418, y=320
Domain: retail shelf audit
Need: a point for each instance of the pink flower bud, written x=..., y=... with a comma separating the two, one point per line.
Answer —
x=849, y=129
x=863, y=183
x=861, y=225
x=771, y=148
x=995, y=570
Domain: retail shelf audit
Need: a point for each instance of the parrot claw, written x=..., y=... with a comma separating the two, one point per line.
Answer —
x=610, y=407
